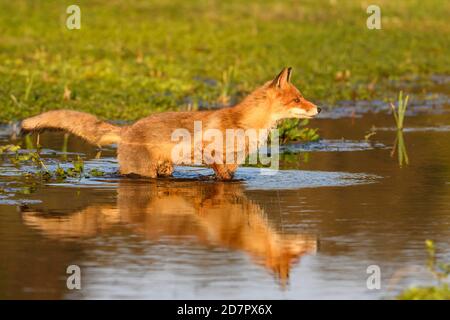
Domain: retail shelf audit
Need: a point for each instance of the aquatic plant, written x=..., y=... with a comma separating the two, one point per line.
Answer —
x=16, y=157
x=96, y=173
x=292, y=159
x=78, y=165
x=64, y=146
x=296, y=130
x=9, y=148
x=400, y=110
x=399, y=116
x=369, y=134
x=400, y=147
x=19, y=156
x=440, y=272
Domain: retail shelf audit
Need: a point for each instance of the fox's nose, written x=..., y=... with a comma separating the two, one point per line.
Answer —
x=319, y=109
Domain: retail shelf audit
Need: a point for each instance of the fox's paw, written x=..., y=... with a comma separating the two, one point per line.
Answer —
x=224, y=172
x=165, y=169
x=224, y=175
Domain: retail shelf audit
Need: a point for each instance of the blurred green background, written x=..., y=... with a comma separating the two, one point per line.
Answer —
x=131, y=58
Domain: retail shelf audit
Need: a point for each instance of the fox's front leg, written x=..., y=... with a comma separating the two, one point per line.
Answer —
x=224, y=171
x=165, y=168
x=137, y=159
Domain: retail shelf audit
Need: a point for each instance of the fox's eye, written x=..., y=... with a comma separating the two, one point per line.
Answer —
x=297, y=100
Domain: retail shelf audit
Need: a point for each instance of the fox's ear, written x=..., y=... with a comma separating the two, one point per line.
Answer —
x=283, y=78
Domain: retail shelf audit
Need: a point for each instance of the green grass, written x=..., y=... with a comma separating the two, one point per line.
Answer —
x=131, y=58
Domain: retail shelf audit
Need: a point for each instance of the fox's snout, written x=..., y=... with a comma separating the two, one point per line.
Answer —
x=305, y=110
x=311, y=108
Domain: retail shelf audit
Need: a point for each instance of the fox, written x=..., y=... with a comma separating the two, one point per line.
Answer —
x=145, y=147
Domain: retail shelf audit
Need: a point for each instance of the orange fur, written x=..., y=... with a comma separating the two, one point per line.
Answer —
x=145, y=147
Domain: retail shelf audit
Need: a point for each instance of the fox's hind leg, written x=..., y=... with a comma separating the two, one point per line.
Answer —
x=224, y=171
x=136, y=159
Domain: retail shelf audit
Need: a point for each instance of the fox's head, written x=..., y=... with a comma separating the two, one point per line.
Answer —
x=287, y=250
x=286, y=100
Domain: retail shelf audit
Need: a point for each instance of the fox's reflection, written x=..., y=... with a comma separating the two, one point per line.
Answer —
x=212, y=213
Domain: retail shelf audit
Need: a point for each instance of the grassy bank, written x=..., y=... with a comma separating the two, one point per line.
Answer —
x=136, y=57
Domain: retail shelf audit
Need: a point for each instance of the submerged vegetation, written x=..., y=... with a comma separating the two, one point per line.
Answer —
x=399, y=116
x=18, y=156
x=440, y=271
x=400, y=148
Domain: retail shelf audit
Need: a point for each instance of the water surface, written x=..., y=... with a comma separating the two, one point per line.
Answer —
x=309, y=231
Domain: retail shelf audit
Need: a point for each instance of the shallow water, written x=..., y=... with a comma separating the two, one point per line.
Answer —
x=308, y=231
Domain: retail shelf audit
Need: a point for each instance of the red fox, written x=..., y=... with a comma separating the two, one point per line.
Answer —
x=145, y=147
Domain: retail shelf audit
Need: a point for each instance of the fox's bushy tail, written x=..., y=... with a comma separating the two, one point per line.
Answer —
x=84, y=125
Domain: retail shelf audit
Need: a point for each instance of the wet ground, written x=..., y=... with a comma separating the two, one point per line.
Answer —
x=311, y=230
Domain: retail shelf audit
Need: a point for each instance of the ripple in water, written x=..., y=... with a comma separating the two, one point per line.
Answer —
x=268, y=179
x=337, y=145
